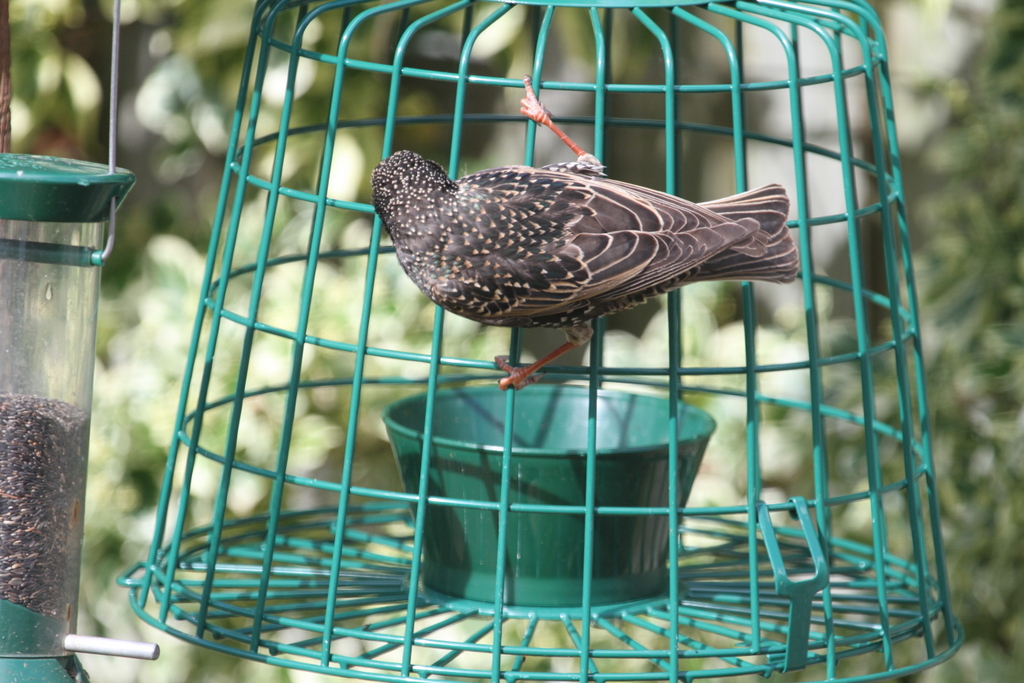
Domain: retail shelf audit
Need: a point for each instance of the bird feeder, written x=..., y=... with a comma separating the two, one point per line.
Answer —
x=548, y=454
x=500, y=547
x=53, y=215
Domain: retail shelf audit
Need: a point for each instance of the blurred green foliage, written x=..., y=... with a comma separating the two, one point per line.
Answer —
x=181, y=61
x=974, y=272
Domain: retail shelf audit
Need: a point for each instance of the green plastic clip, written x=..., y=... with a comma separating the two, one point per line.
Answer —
x=802, y=592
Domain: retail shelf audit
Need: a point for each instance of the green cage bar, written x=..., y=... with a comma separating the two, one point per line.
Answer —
x=276, y=545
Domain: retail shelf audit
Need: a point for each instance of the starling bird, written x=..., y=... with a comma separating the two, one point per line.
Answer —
x=560, y=245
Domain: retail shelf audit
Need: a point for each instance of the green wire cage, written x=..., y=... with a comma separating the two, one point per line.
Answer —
x=561, y=532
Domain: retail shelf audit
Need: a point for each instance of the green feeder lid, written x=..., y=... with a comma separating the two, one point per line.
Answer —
x=51, y=189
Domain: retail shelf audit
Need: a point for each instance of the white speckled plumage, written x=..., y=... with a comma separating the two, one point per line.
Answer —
x=560, y=245
x=525, y=247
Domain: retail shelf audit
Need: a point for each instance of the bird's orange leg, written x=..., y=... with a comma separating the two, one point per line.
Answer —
x=577, y=335
x=524, y=377
x=535, y=111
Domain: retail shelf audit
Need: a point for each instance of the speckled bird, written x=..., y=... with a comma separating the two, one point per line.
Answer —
x=560, y=245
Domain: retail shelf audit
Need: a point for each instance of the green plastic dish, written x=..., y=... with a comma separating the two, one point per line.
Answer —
x=545, y=548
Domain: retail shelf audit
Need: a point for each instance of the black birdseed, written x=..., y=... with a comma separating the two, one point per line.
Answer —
x=42, y=471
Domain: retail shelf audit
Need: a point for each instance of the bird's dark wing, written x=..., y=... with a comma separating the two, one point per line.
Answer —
x=540, y=241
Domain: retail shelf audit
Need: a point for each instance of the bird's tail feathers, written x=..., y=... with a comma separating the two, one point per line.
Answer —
x=768, y=254
x=764, y=203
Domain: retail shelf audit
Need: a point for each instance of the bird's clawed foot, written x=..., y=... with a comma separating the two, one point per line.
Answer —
x=533, y=109
x=517, y=377
x=576, y=335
